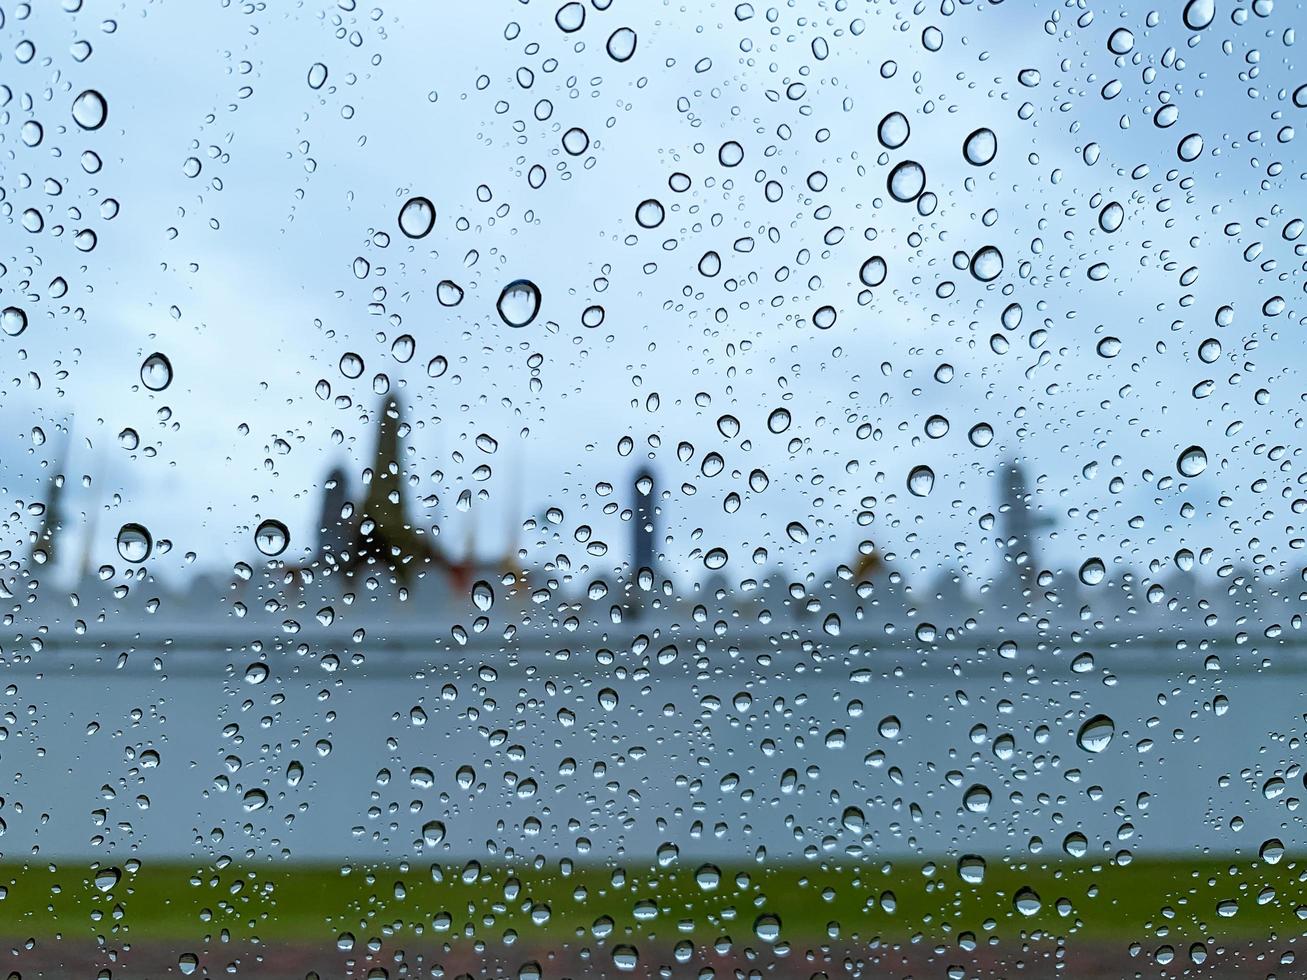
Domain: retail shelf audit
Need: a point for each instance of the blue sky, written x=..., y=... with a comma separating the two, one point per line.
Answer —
x=247, y=275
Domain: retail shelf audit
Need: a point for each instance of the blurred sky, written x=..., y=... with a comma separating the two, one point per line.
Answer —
x=259, y=273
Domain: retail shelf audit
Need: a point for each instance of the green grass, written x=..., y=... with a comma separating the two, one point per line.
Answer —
x=890, y=901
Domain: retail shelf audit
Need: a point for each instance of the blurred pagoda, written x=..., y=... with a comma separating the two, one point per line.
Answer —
x=377, y=535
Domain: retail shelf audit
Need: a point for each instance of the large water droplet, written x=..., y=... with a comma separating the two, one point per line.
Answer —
x=1192, y=462
x=271, y=538
x=921, y=481
x=417, y=217
x=971, y=868
x=156, y=372
x=621, y=44
x=90, y=110
x=873, y=272
x=1093, y=571
x=1111, y=217
x=893, y=130
x=980, y=147
x=987, y=264
x=1121, y=41
x=1199, y=14
x=650, y=213
x=906, y=181
x=134, y=542
x=977, y=798
x=13, y=320
x=1190, y=148
x=1026, y=901
x=1096, y=733
x=519, y=302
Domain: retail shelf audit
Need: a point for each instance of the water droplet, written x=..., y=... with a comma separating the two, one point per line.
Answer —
x=1192, y=462
x=134, y=542
x=107, y=878
x=971, y=868
x=255, y=799
x=893, y=130
x=981, y=435
x=1190, y=148
x=987, y=264
x=1026, y=901
x=1271, y=850
x=519, y=302
x=449, y=293
x=977, y=798
x=621, y=44
x=13, y=320
x=730, y=154
x=1096, y=733
x=570, y=17
x=1076, y=844
x=1093, y=571
x=272, y=538
x=778, y=421
x=90, y=110
x=921, y=481
x=1199, y=14
x=317, y=75
x=1121, y=41
x=980, y=147
x=906, y=181
x=483, y=595
x=873, y=272
x=650, y=213
x=433, y=832
x=188, y=963
x=417, y=217
x=625, y=958
x=156, y=372
x=767, y=927
x=1111, y=216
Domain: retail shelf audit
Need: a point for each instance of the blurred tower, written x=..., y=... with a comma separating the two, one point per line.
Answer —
x=333, y=527
x=52, y=522
x=383, y=535
x=642, y=542
x=49, y=538
x=643, y=531
x=1020, y=524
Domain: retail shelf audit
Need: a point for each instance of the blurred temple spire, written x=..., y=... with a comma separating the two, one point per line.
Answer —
x=645, y=529
x=1021, y=522
x=45, y=549
x=643, y=536
x=333, y=523
x=383, y=535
